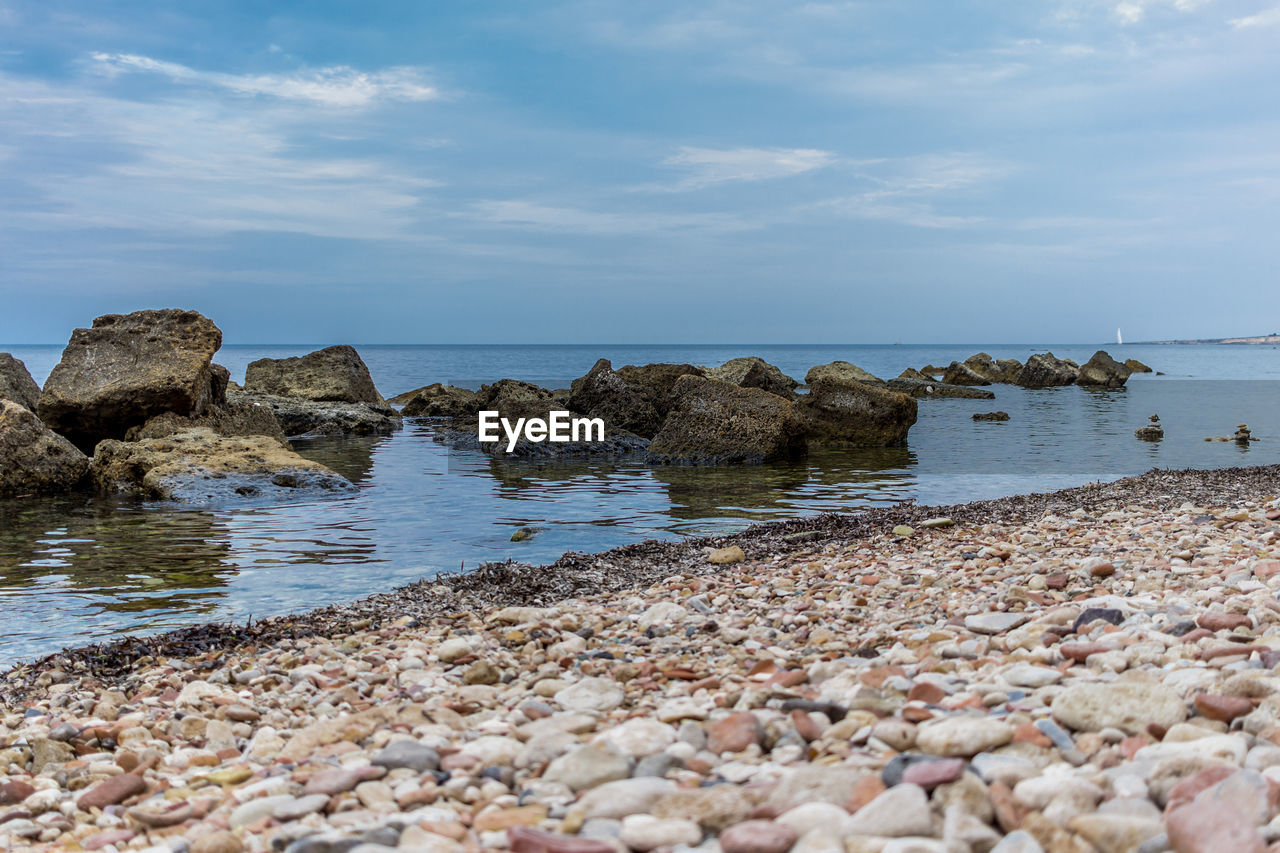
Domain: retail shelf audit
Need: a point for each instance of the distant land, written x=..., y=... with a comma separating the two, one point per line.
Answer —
x=1273, y=338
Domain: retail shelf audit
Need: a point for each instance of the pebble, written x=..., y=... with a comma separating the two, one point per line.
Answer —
x=644, y=832
x=758, y=836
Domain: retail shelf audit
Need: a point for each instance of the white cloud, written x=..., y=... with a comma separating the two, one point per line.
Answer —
x=575, y=220
x=1265, y=18
x=709, y=166
x=334, y=86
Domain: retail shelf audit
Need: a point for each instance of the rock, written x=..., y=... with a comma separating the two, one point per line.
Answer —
x=256, y=809
x=903, y=810
x=1114, y=833
x=994, y=622
x=638, y=738
x=1045, y=370
x=436, y=401
x=903, y=530
x=931, y=774
x=1222, y=708
x=527, y=839
x=218, y=841
x=14, y=791
x=758, y=836
x=1018, y=842
x=114, y=790
x=238, y=416
x=129, y=368
x=16, y=383
x=334, y=374
x=734, y=733
x=991, y=416
x=198, y=466
x=1128, y=706
x=586, y=767
x=856, y=414
x=1210, y=827
x=726, y=556
x=482, y=672
x=842, y=371
x=1102, y=371
x=590, y=694
x=962, y=735
x=961, y=374
x=603, y=393
x=1005, y=370
x=33, y=458
x=924, y=387
x=1152, y=431
x=1136, y=366
x=936, y=523
x=616, y=800
x=297, y=416
x=807, y=817
x=713, y=808
x=645, y=832
x=715, y=423
x=753, y=372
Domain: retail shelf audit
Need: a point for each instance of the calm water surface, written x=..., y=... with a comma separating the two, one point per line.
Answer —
x=77, y=570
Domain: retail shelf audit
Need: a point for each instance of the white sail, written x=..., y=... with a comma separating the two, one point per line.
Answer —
x=1119, y=339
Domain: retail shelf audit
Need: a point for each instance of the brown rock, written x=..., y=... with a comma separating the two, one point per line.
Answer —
x=927, y=692
x=726, y=556
x=1223, y=708
x=33, y=458
x=482, y=672
x=1103, y=570
x=15, y=791
x=16, y=383
x=115, y=790
x=1216, y=620
x=931, y=774
x=332, y=375
x=332, y=782
x=221, y=841
x=1205, y=827
x=526, y=839
x=758, y=836
x=734, y=733
x=716, y=423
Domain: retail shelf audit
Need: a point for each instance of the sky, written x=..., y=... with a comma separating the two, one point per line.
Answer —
x=643, y=172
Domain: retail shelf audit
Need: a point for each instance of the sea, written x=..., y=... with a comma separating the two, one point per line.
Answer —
x=80, y=570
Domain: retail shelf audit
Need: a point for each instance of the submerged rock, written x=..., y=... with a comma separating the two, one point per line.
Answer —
x=922, y=387
x=991, y=416
x=1136, y=366
x=33, y=458
x=841, y=370
x=16, y=383
x=855, y=413
x=713, y=422
x=754, y=372
x=1103, y=371
x=334, y=374
x=200, y=466
x=1152, y=431
x=129, y=368
x=1045, y=370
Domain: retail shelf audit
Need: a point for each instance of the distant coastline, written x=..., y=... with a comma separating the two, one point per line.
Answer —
x=1259, y=339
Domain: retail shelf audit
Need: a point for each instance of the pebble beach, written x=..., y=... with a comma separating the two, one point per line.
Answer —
x=1087, y=670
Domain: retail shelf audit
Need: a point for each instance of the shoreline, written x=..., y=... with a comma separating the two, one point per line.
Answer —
x=575, y=574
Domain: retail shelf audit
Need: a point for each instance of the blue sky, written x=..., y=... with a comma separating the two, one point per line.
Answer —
x=590, y=172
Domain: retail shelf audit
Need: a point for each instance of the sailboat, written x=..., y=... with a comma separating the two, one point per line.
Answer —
x=1119, y=339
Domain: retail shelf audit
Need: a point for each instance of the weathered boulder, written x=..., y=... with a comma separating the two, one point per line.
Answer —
x=854, y=413
x=713, y=422
x=924, y=387
x=632, y=398
x=659, y=379
x=437, y=401
x=841, y=370
x=1045, y=370
x=958, y=373
x=1004, y=370
x=297, y=416
x=1103, y=371
x=243, y=416
x=129, y=368
x=200, y=466
x=334, y=374
x=512, y=398
x=1136, y=366
x=753, y=372
x=16, y=383
x=33, y=458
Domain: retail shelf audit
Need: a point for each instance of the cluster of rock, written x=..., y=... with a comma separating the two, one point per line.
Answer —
x=141, y=395
x=1090, y=681
x=1042, y=370
x=744, y=412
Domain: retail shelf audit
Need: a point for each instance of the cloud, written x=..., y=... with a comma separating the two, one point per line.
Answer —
x=1265, y=18
x=333, y=86
x=576, y=220
x=709, y=166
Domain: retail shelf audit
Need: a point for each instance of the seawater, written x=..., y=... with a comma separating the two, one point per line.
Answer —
x=79, y=570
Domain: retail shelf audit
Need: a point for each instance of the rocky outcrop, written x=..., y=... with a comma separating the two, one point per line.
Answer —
x=842, y=371
x=437, y=401
x=1045, y=370
x=16, y=383
x=1136, y=366
x=334, y=374
x=753, y=372
x=713, y=422
x=241, y=416
x=991, y=416
x=659, y=379
x=33, y=458
x=853, y=413
x=1004, y=370
x=633, y=398
x=297, y=416
x=129, y=368
x=1102, y=371
x=923, y=387
x=959, y=373
x=199, y=466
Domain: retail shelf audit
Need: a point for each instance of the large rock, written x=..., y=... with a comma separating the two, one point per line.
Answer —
x=1004, y=370
x=296, y=416
x=437, y=401
x=753, y=372
x=1103, y=371
x=331, y=375
x=924, y=387
x=1136, y=366
x=837, y=411
x=841, y=370
x=633, y=398
x=958, y=373
x=713, y=422
x=16, y=383
x=1045, y=370
x=200, y=466
x=34, y=459
x=129, y=368
x=240, y=416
